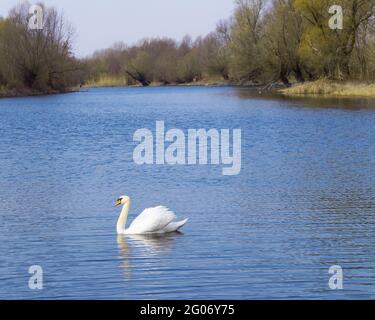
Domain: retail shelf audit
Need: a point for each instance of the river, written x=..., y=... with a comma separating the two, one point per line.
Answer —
x=303, y=201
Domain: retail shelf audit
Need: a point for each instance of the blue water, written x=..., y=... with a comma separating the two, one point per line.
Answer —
x=303, y=201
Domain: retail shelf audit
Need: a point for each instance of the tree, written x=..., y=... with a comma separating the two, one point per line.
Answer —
x=282, y=38
x=329, y=52
x=246, y=35
x=38, y=59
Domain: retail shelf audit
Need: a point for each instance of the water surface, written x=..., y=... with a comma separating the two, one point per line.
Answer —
x=303, y=201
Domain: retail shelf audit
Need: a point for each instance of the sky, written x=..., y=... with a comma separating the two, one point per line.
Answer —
x=101, y=23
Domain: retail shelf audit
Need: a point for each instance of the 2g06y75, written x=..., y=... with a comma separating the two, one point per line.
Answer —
x=211, y=309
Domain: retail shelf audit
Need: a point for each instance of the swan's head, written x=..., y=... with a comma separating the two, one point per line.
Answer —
x=122, y=200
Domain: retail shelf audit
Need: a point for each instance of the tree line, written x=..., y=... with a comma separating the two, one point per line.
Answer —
x=264, y=41
x=164, y=61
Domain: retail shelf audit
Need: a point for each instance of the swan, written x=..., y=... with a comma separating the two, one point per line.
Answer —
x=151, y=221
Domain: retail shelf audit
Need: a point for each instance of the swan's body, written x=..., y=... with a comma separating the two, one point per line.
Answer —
x=151, y=221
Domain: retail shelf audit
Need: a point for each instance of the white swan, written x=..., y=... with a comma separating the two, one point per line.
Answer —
x=151, y=221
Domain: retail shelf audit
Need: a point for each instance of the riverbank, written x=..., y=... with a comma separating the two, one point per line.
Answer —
x=121, y=81
x=319, y=88
x=331, y=89
x=27, y=92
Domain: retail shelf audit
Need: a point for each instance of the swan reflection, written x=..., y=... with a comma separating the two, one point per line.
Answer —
x=143, y=246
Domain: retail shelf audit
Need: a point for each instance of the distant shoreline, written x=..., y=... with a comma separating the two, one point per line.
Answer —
x=18, y=93
x=318, y=88
x=113, y=82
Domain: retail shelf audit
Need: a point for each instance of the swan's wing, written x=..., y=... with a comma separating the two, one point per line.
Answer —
x=152, y=220
x=174, y=226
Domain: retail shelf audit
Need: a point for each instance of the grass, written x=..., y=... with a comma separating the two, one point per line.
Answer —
x=329, y=88
x=107, y=81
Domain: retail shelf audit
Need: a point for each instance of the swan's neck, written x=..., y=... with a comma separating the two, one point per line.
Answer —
x=121, y=222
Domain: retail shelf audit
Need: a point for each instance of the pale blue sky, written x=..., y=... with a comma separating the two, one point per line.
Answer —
x=100, y=23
